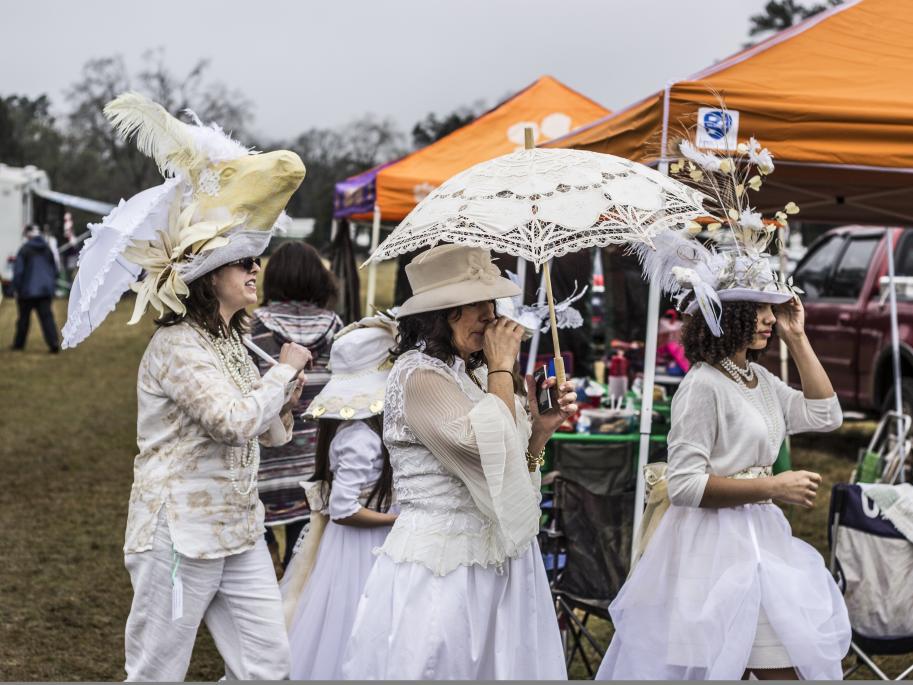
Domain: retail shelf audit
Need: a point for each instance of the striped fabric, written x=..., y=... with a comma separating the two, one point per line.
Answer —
x=281, y=468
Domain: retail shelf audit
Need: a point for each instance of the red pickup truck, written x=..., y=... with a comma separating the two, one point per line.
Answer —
x=848, y=315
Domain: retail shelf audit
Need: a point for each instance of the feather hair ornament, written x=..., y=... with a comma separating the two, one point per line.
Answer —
x=158, y=134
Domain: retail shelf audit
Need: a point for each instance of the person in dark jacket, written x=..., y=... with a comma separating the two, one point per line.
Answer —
x=34, y=281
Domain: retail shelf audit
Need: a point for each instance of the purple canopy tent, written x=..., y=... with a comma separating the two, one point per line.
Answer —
x=357, y=195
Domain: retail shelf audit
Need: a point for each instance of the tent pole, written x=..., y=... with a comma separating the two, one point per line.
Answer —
x=895, y=353
x=372, y=267
x=646, y=402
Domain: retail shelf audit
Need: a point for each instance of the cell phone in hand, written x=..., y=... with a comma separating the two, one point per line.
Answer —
x=546, y=398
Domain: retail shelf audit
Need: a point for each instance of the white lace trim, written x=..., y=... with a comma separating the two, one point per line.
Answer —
x=549, y=202
x=89, y=290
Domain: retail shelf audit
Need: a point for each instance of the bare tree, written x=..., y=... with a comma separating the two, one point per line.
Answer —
x=101, y=164
x=781, y=14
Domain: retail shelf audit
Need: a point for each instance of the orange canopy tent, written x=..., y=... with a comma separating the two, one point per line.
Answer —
x=549, y=107
x=831, y=97
x=389, y=192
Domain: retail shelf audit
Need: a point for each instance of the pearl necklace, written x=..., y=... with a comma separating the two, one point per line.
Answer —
x=768, y=407
x=737, y=372
x=233, y=355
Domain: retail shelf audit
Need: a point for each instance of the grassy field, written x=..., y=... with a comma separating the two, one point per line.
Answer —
x=67, y=423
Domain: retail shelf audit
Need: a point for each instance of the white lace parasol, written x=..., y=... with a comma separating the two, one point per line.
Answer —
x=543, y=203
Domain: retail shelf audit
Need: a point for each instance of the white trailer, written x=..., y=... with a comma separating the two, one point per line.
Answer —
x=16, y=210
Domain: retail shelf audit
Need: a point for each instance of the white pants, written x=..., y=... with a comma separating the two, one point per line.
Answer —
x=237, y=596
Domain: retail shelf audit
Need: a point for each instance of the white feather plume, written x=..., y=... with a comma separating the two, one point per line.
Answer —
x=158, y=134
x=212, y=140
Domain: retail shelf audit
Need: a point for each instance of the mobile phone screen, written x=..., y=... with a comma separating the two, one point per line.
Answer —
x=544, y=398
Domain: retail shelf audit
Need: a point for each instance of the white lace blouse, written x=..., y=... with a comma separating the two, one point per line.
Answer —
x=721, y=428
x=460, y=476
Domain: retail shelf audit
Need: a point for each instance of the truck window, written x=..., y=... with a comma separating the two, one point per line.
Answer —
x=854, y=265
x=813, y=273
x=903, y=254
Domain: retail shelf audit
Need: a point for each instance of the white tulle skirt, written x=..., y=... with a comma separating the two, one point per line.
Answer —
x=325, y=612
x=717, y=589
x=471, y=624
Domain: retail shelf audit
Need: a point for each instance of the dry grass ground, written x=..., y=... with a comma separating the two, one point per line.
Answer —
x=67, y=441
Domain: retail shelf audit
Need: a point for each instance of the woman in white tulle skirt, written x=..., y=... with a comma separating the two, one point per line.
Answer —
x=723, y=589
x=350, y=500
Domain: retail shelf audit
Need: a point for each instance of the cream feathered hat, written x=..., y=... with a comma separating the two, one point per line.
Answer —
x=733, y=265
x=219, y=203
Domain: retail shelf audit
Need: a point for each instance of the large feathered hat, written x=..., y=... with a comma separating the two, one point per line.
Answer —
x=732, y=264
x=219, y=203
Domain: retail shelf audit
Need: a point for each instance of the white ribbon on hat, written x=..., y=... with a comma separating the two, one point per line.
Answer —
x=704, y=295
x=482, y=271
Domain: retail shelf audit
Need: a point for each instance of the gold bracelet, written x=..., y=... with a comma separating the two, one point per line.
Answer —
x=534, y=461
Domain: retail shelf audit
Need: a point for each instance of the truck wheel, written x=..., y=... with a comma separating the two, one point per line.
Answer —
x=906, y=397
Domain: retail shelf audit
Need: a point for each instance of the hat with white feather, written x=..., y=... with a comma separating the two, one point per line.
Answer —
x=219, y=203
x=732, y=265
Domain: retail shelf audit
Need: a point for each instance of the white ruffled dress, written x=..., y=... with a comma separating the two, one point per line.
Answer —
x=459, y=589
x=325, y=611
x=721, y=590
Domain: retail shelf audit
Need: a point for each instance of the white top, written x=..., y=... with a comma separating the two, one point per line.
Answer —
x=460, y=475
x=721, y=428
x=192, y=423
x=356, y=461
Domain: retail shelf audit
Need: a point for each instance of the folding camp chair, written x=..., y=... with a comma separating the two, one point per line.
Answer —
x=872, y=563
x=882, y=460
x=586, y=541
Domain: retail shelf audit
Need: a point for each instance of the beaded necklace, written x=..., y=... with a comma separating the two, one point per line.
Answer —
x=767, y=406
x=233, y=355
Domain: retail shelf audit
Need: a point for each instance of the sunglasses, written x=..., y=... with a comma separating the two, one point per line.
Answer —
x=247, y=263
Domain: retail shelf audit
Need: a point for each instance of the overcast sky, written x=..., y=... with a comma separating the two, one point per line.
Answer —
x=324, y=62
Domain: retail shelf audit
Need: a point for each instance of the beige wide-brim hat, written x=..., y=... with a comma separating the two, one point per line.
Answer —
x=453, y=275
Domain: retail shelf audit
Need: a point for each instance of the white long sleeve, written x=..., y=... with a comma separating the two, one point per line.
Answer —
x=804, y=414
x=480, y=444
x=354, y=457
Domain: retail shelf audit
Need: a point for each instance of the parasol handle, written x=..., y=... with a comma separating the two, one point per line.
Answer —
x=559, y=361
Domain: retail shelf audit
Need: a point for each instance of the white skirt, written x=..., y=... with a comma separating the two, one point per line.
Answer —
x=472, y=624
x=325, y=612
x=696, y=604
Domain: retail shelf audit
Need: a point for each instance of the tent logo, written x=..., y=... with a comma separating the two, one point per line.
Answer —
x=717, y=124
x=717, y=129
x=553, y=125
x=421, y=191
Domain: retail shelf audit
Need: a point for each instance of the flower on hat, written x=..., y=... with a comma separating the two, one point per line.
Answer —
x=481, y=269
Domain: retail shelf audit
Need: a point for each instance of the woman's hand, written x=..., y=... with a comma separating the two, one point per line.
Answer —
x=501, y=343
x=796, y=487
x=790, y=319
x=295, y=356
x=300, y=382
x=546, y=424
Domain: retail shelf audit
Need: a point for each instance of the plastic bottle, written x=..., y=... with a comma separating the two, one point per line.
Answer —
x=583, y=423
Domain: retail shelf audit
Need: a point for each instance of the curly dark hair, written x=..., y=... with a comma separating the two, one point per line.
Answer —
x=203, y=310
x=433, y=329
x=738, y=321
